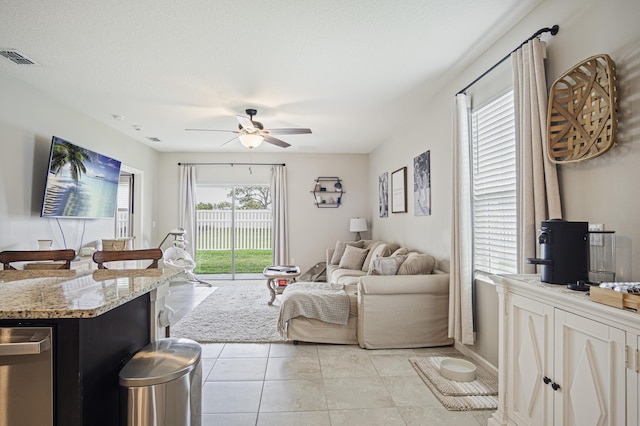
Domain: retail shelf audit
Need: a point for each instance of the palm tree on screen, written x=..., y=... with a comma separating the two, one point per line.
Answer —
x=67, y=153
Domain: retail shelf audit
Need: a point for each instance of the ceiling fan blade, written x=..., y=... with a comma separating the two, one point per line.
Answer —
x=229, y=141
x=288, y=131
x=275, y=141
x=246, y=123
x=211, y=130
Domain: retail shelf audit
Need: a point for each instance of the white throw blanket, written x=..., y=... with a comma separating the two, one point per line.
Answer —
x=317, y=300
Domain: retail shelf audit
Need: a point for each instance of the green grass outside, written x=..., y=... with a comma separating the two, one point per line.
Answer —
x=219, y=261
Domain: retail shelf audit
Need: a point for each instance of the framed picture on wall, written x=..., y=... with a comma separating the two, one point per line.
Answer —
x=399, y=191
x=422, y=184
x=383, y=194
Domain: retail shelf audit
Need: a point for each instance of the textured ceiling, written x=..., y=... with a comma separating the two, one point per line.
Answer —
x=344, y=68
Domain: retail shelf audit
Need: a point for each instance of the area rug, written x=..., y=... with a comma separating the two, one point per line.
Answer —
x=480, y=394
x=236, y=312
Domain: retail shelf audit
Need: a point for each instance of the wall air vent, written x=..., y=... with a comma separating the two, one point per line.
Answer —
x=17, y=57
x=152, y=139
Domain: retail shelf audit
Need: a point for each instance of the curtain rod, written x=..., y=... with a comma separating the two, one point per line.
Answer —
x=232, y=164
x=553, y=30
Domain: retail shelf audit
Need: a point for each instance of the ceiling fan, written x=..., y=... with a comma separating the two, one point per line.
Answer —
x=252, y=133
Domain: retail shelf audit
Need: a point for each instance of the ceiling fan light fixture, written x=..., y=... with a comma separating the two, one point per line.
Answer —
x=251, y=140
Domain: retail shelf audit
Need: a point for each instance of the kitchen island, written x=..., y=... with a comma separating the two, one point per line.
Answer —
x=98, y=319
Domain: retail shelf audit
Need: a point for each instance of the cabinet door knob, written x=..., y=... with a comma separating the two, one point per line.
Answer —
x=555, y=386
x=546, y=380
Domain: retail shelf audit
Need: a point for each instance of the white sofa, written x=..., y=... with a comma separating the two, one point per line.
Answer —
x=407, y=310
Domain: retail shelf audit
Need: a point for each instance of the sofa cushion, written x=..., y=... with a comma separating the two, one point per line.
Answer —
x=353, y=257
x=417, y=264
x=386, y=265
x=348, y=280
x=340, y=247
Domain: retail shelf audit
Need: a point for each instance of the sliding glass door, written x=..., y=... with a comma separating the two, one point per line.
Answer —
x=233, y=223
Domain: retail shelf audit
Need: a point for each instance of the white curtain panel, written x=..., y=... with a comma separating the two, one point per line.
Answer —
x=461, y=265
x=538, y=192
x=280, y=215
x=188, y=206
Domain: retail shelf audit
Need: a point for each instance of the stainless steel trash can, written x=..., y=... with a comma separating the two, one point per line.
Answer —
x=162, y=384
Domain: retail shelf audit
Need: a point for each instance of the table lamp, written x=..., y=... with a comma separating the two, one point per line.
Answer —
x=358, y=225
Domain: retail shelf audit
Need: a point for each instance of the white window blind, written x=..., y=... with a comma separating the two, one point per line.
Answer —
x=494, y=186
x=123, y=219
x=123, y=193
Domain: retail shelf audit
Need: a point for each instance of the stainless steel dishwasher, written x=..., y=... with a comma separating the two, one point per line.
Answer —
x=26, y=376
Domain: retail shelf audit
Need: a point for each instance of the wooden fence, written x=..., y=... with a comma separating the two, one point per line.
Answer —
x=215, y=228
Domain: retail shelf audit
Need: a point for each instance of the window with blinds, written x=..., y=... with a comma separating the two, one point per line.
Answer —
x=123, y=220
x=494, y=186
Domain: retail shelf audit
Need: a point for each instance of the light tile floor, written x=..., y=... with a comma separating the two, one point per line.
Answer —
x=313, y=384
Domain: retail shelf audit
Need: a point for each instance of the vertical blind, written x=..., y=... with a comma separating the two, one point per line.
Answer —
x=494, y=186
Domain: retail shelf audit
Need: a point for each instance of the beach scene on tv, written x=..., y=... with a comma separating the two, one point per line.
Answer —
x=80, y=183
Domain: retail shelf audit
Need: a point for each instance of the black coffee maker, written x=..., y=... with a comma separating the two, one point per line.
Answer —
x=564, y=252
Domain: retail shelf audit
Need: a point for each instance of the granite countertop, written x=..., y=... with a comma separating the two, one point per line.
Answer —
x=559, y=289
x=48, y=294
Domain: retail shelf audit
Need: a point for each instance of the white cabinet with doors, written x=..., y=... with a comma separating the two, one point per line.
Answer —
x=564, y=360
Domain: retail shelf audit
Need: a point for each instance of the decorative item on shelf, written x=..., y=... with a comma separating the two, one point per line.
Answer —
x=582, y=117
x=324, y=189
x=358, y=225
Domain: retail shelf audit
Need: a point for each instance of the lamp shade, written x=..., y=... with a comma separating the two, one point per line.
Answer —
x=250, y=140
x=358, y=224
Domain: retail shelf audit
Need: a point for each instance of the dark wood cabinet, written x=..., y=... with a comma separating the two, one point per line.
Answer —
x=88, y=354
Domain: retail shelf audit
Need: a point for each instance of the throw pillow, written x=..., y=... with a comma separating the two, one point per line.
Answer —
x=353, y=257
x=378, y=250
x=400, y=252
x=386, y=265
x=339, y=250
x=417, y=264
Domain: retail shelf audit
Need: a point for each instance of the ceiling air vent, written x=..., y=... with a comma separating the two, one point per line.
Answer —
x=17, y=57
x=152, y=139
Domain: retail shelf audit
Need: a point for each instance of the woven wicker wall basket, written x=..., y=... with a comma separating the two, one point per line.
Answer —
x=583, y=115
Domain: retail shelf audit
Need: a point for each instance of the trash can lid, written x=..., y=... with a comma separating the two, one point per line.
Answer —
x=160, y=362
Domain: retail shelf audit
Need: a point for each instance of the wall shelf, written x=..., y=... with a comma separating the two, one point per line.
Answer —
x=328, y=192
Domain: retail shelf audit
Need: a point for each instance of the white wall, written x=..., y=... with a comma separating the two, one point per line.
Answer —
x=312, y=229
x=602, y=190
x=28, y=120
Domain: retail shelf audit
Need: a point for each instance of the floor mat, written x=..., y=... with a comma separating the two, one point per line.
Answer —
x=480, y=394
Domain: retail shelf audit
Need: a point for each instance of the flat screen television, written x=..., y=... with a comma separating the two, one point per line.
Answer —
x=80, y=183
